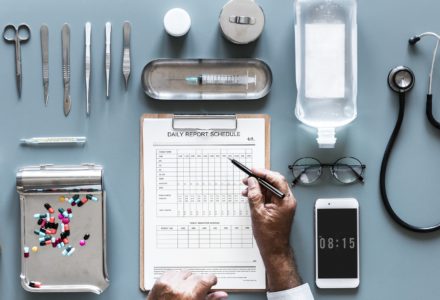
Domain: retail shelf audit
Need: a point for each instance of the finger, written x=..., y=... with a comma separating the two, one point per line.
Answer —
x=245, y=180
x=184, y=274
x=217, y=296
x=255, y=197
x=274, y=178
x=202, y=283
x=245, y=192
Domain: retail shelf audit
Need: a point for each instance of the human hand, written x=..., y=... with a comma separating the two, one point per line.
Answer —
x=184, y=285
x=272, y=219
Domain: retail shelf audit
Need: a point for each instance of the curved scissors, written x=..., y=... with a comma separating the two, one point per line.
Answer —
x=17, y=35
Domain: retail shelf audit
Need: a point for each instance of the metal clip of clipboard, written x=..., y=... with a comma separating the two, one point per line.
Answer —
x=228, y=122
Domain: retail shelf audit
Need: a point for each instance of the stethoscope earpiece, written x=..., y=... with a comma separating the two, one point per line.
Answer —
x=401, y=79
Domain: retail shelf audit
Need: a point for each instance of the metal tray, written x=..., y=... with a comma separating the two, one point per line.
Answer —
x=223, y=79
x=84, y=270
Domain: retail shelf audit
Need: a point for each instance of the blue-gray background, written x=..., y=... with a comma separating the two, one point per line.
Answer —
x=395, y=264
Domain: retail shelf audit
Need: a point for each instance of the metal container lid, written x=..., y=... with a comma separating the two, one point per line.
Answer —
x=242, y=21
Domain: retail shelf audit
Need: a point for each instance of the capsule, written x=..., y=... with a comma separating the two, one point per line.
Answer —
x=65, y=214
x=86, y=236
x=71, y=252
x=35, y=284
x=49, y=208
x=66, y=227
x=70, y=200
x=65, y=241
x=75, y=197
x=61, y=210
x=26, y=252
x=40, y=216
x=37, y=232
x=35, y=249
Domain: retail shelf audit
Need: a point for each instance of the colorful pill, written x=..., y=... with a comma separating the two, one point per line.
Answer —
x=64, y=253
x=71, y=252
x=61, y=210
x=40, y=216
x=66, y=227
x=73, y=203
x=37, y=232
x=69, y=210
x=86, y=236
x=40, y=221
x=65, y=214
x=82, y=243
x=34, y=249
x=65, y=241
x=94, y=199
x=49, y=208
x=35, y=284
x=75, y=197
x=66, y=221
x=62, y=199
x=26, y=252
x=70, y=200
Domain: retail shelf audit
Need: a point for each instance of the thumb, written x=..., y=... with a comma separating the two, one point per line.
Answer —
x=217, y=296
x=255, y=195
x=203, y=284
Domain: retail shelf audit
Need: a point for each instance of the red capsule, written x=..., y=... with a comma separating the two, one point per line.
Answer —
x=65, y=241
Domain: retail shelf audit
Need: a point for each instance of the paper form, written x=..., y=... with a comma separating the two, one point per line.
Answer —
x=194, y=215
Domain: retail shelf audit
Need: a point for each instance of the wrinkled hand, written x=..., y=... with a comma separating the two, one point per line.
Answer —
x=272, y=219
x=184, y=285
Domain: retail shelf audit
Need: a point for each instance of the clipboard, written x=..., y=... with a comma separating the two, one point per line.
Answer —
x=193, y=123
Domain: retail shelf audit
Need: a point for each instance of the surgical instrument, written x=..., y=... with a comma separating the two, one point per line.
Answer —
x=17, y=35
x=126, y=61
x=87, y=67
x=65, y=38
x=54, y=141
x=222, y=79
x=44, y=38
x=108, y=57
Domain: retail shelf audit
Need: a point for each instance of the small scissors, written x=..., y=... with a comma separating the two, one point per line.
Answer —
x=17, y=35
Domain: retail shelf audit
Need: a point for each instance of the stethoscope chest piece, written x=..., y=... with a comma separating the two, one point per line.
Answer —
x=401, y=79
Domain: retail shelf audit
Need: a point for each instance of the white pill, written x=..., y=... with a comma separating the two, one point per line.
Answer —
x=177, y=22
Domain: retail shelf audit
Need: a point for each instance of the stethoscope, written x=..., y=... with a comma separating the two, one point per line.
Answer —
x=401, y=80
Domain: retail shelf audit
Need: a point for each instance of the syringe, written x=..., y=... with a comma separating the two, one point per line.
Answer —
x=222, y=79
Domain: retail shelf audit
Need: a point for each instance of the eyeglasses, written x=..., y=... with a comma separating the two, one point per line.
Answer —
x=346, y=170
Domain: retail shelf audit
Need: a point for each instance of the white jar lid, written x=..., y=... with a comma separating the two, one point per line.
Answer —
x=177, y=22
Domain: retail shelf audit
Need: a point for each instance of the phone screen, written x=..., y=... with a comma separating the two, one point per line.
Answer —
x=337, y=243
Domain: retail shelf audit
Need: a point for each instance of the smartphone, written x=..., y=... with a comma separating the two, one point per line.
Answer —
x=337, y=243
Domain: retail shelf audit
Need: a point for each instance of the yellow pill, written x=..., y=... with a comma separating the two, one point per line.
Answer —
x=34, y=249
x=61, y=199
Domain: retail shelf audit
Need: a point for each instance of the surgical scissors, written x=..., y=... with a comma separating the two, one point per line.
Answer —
x=17, y=35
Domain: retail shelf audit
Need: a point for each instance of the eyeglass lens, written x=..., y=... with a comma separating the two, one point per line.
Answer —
x=308, y=170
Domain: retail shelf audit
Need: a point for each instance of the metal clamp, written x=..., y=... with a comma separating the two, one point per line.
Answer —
x=230, y=123
x=242, y=20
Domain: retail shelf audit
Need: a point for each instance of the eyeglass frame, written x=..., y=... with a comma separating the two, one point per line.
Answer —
x=359, y=177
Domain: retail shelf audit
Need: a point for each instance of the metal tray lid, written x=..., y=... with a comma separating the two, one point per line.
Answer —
x=56, y=178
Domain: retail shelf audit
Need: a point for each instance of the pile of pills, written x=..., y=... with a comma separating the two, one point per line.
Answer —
x=49, y=226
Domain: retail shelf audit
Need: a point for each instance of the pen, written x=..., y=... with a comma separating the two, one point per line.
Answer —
x=260, y=180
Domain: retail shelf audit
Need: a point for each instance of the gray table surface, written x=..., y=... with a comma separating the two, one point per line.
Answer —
x=395, y=264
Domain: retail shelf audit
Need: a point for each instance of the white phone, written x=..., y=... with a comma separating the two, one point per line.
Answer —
x=337, y=243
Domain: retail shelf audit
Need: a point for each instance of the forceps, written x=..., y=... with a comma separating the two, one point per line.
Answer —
x=17, y=35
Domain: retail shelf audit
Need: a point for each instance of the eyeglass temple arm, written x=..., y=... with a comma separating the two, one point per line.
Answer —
x=359, y=176
x=295, y=180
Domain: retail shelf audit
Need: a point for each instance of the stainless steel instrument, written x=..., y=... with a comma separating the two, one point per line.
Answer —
x=88, y=33
x=65, y=38
x=126, y=61
x=44, y=38
x=108, y=57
